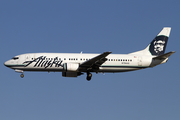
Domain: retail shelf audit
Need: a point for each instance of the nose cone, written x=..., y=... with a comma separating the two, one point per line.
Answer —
x=7, y=63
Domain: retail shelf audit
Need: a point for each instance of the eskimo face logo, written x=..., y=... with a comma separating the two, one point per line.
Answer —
x=159, y=46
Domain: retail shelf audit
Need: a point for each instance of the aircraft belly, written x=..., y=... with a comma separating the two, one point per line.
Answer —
x=118, y=69
x=40, y=69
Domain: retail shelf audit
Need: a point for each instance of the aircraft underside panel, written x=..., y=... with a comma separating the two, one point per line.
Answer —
x=101, y=69
x=119, y=69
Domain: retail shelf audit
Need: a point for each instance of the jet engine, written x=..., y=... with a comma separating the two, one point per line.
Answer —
x=70, y=74
x=70, y=67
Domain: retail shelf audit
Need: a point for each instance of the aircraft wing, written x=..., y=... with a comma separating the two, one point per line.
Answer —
x=95, y=62
x=164, y=56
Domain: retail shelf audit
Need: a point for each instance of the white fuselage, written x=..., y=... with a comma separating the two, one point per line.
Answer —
x=74, y=64
x=55, y=61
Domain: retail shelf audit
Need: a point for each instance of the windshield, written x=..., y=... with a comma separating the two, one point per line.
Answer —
x=15, y=58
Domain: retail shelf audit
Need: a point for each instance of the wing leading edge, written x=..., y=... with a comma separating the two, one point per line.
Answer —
x=94, y=63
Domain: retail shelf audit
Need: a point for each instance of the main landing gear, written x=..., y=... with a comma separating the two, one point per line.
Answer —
x=89, y=75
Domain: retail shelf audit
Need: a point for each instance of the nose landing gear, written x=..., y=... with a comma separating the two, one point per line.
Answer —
x=20, y=71
x=89, y=75
x=22, y=75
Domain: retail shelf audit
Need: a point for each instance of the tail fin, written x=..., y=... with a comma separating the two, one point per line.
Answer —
x=158, y=45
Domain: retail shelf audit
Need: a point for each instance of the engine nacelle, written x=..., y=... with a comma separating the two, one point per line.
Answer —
x=69, y=74
x=70, y=67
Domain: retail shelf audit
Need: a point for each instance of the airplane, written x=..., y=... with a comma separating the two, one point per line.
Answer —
x=76, y=64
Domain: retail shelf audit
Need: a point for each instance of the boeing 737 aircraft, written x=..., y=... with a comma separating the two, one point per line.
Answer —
x=73, y=65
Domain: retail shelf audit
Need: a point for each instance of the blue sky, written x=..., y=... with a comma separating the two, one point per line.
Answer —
x=92, y=27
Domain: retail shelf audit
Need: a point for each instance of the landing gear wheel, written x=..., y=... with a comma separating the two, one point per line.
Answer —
x=22, y=75
x=89, y=75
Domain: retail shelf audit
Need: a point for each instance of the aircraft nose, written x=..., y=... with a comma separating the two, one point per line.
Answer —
x=7, y=63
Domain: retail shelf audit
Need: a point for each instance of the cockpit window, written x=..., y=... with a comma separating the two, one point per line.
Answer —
x=15, y=58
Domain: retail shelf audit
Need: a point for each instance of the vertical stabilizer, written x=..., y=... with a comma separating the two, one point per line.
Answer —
x=158, y=45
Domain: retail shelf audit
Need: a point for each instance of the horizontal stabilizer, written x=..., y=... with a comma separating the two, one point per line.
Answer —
x=164, y=56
